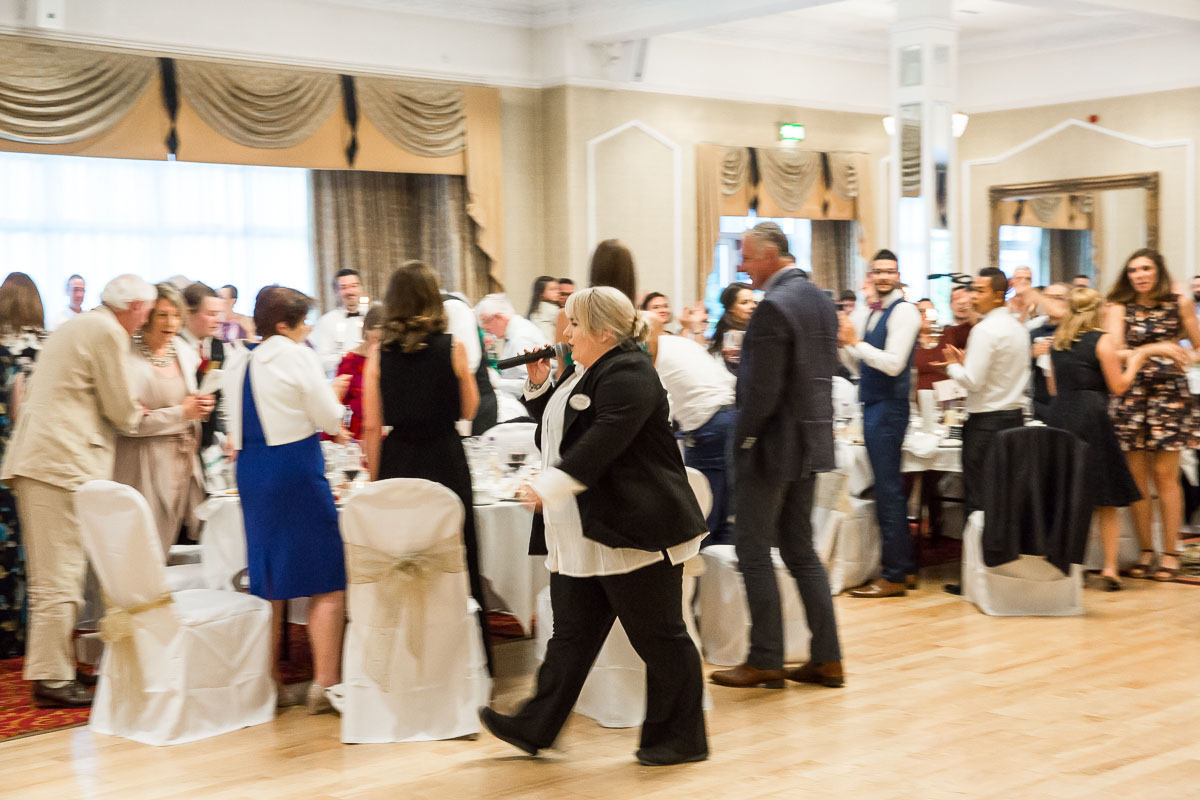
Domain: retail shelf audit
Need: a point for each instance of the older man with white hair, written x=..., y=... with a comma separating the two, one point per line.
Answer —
x=497, y=317
x=64, y=437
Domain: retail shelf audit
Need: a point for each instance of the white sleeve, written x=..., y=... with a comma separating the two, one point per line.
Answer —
x=971, y=374
x=325, y=341
x=903, y=326
x=324, y=410
x=464, y=328
x=554, y=486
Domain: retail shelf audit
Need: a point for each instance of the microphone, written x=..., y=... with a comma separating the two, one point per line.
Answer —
x=559, y=351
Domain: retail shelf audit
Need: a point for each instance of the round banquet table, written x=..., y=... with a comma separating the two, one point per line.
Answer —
x=502, y=529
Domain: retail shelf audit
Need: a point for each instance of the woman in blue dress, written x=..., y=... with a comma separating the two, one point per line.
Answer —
x=280, y=401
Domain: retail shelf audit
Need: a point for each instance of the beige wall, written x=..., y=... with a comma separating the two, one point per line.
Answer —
x=1077, y=152
x=632, y=202
x=523, y=144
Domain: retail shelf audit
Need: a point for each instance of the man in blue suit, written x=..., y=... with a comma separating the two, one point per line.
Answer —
x=784, y=436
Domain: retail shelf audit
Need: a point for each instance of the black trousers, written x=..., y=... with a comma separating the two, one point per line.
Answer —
x=979, y=432
x=649, y=603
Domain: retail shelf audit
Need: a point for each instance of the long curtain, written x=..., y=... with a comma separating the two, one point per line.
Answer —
x=833, y=245
x=375, y=221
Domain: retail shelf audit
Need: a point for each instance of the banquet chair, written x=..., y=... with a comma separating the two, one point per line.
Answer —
x=1023, y=552
x=510, y=436
x=413, y=667
x=614, y=693
x=179, y=665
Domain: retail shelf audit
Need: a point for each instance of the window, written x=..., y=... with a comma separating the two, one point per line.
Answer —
x=101, y=217
x=727, y=259
x=1021, y=246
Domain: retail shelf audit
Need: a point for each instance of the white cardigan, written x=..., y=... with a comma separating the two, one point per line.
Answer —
x=293, y=399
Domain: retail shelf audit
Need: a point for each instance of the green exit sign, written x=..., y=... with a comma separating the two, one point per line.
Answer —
x=791, y=132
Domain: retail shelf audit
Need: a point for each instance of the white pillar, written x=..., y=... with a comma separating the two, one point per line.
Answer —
x=924, y=75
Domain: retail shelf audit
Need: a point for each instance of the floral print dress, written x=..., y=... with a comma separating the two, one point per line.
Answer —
x=1158, y=412
x=17, y=354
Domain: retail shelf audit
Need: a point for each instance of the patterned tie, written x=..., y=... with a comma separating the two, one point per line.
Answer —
x=876, y=306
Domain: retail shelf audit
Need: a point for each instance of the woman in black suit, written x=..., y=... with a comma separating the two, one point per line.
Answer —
x=619, y=520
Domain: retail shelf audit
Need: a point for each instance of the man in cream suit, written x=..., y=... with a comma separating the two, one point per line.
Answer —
x=77, y=398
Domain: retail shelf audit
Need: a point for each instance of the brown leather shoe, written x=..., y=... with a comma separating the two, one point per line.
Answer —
x=73, y=695
x=745, y=676
x=879, y=588
x=828, y=674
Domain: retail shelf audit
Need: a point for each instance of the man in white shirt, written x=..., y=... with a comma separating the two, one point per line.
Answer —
x=994, y=371
x=497, y=317
x=878, y=343
x=701, y=394
x=76, y=289
x=199, y=335
x=340, y=331
x=462, y=325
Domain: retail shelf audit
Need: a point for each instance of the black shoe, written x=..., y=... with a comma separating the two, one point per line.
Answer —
x=498, y=725
x=952, y=588
x=70, y=696
x=86, y=678
x=665, y=757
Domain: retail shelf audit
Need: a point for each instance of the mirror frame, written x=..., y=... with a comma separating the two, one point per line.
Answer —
x=1018, y=191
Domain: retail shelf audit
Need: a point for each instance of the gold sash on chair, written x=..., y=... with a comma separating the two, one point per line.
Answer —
x=117, y=627
x=405, y=583
x=117, y=624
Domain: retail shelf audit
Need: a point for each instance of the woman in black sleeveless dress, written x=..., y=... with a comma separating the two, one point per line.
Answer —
x=1086, y=369
x=419, y=384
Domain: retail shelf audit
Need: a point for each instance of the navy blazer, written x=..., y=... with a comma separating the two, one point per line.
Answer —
x=785, y=381
x=620, y=447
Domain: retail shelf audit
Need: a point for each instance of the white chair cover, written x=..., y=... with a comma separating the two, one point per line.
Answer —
x=413, y=667
x=179, y=666
x=857, y=551
x=725, y=615
x=614, y=693
x=510, y=434
x=1128, y=550
x=1027, y=587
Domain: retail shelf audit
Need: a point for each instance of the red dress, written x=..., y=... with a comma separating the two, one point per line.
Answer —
x=352, y=365
x=923, y=360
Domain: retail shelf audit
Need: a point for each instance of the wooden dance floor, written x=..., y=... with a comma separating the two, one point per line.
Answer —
x=941, y=702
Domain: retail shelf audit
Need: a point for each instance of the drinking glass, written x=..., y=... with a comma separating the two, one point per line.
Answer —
x=731, y=345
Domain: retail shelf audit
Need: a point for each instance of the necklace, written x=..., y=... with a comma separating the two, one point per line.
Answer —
x=158, y=361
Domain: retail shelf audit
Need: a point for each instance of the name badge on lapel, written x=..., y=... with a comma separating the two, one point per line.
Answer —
x=580, y=402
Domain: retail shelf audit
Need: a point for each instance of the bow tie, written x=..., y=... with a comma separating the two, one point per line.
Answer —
x=353, y=314
x=876, y=306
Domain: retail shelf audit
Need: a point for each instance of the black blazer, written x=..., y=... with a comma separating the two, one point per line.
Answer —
x=210, y=426
x=1037, y=502
x=785, y=381
x=621, y=448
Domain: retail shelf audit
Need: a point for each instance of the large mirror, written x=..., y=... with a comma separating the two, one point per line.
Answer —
x=1082, y=226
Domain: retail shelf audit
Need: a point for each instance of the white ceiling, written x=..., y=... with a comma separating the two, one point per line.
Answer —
x=850, y=29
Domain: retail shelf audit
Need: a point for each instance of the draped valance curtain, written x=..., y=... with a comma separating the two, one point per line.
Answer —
x=78, y=101
x=783, y=182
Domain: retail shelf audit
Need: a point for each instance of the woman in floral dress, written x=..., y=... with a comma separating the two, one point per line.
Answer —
x=1157, y=418
x=22, y=329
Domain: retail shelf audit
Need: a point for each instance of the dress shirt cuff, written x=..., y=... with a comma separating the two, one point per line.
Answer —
x=956, y=372
x=555, y=486
x=532, y=391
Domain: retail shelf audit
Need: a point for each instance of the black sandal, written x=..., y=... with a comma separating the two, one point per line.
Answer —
x=1171, y=573
x=1140, y=571
x=1108, y=584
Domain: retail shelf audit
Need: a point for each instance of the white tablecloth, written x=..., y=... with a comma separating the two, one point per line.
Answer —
x=852, y=460
x=502, y=530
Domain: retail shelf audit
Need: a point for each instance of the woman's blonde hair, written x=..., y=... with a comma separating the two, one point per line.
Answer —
x=165, y=291
x=603, y=308
x=1085, y=307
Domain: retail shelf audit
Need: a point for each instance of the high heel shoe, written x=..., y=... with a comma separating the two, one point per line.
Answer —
x=317, y=702
x=1167, y=574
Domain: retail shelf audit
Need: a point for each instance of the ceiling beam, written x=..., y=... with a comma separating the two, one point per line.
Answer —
x=623, y=24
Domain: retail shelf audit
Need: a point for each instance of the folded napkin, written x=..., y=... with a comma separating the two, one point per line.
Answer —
x=921, y=444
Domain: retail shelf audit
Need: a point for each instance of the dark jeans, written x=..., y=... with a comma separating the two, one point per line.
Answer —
x=706, y=450
x=649, y=603
x=774, y=513
x=979, y=432
x=884, y=423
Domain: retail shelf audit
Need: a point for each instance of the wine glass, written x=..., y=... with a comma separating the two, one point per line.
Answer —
x=516, y=460
x=352, y=461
